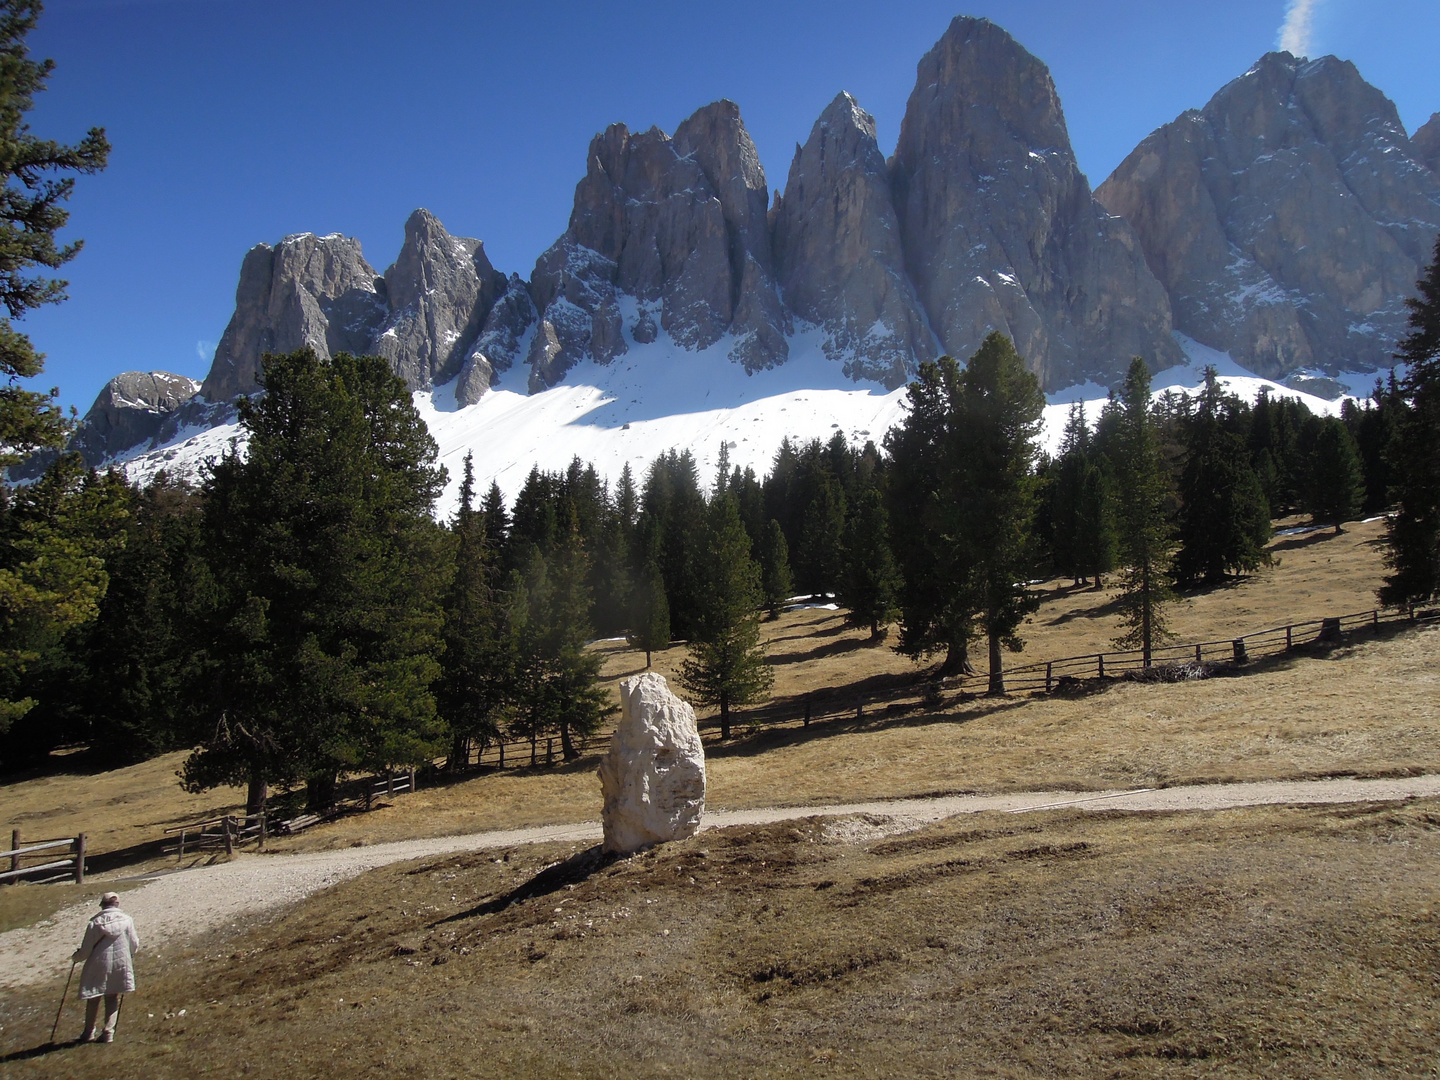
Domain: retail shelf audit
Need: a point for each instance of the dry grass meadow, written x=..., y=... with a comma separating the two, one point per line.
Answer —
x=1368, y=708
x=1287, y=942
x=1294, y=942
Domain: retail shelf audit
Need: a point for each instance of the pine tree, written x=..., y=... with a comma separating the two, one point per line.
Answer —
x=1000, y=407
x=31, y=212
x=1066, y=483
x=1413, y=528
x=1143, y=532
x=819, y=558
x=726, y=666
x=938, y=599
x=319, y=655
x=650, y=613
x=1336, y=488
x=477, y=663
x=776, y=585
x=1224, y=518
x=871, y=578
x=1095, y=544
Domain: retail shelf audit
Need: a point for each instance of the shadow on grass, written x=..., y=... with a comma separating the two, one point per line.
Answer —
x=38, y=1051
x=1291, y=543
x=572, y=871
x=834, y=648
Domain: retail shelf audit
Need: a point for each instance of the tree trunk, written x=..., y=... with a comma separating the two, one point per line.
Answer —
x=1145, y=600
x=567, y=745
x=320, y=792
x=257, y=794
x=724, y=716
x=875, y=630
x=647, y=659
x=459, y=754
x=957, y=659
x=997, y=672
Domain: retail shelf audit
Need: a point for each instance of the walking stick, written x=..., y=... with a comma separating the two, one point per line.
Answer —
x=56, y=1026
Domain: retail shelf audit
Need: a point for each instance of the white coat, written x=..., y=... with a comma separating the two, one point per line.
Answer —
x=109, y=945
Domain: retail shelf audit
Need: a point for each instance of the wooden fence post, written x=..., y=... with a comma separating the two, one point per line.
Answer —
x=262, y=828
x=1049, y=675
x=502, y=754
x=1241, y=656
x=1289, y=638
x=80, y=859
x=1375, y=620
x=229, y=839
x=1101, y=659
x=14, y=843
x=412, y=780
x=1197, y=654
x=180, y=852
x=1329, y=630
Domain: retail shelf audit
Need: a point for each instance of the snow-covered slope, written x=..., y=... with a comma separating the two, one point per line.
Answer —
x=659, y=396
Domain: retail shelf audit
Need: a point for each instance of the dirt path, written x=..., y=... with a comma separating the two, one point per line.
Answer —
x=175, y=906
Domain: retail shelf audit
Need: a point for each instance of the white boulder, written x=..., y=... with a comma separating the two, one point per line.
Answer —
x=653, y=777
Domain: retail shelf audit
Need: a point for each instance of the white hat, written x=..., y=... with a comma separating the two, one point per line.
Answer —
x=109, y=899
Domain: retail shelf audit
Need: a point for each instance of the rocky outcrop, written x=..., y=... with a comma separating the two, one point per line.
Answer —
x=998, y=224
x=1426, y=143
x=664, y=232
x=308, y=290
x=439, y=290
x=503, y=341
x=653, y=776
x=1288, y=219
x=838, y=255
x=130, y=411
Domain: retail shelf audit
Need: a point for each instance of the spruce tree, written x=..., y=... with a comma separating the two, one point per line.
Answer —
x=1143, y=532
x=320, y=652
x=928, y=530
x=31, y=212
x=1224, y=517
x=1065, y=490
x=1412, y=533
x=726, y=665
x=1336, y=487
x=871, y=579
x=477, y=663
x=1094, y=544
x=819, y=558
x=649, y=613
x=776, y=584
x=1000, y=408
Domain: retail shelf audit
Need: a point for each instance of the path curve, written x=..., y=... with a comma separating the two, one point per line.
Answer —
x=174, y=906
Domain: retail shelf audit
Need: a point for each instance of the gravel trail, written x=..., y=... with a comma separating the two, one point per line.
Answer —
x=174, y=906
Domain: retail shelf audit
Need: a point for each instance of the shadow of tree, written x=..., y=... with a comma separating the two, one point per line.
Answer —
x=552, y=879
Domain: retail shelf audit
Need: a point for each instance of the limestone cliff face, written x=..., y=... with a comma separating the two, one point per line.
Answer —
x=999, y=227
x=838, y=255
x=1288, y=219
x=1426, y=143
x=308, y=290
x=673, y=229
x=439, y=290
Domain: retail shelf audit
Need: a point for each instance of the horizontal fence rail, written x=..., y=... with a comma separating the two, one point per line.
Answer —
x=222, y=833
x=19, y=854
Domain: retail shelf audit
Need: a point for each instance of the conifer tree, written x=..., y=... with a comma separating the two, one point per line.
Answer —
x=1224, y=518
x=776, y=585
x=726, y=666
x=871, y=578
x=1094, y=545
x=938, y=600
x=1067, y=480
x=1143, y=532
x=319, y=654
x=650, y=613
x=819, y=558
x=1001, y=407
x=31, y=212
x=477, y=664
x=1412, y=533
x=1336, y=487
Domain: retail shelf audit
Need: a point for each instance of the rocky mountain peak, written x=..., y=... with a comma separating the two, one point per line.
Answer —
x=998, y=224
x=307, y=290
x=1426, y=142
x=1288, y=219
x=838, y=253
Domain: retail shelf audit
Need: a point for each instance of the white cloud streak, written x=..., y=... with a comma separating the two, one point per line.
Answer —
x=1297, y=32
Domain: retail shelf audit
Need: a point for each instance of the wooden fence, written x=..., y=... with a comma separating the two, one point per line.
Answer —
x=222, y=833
x=72, y=866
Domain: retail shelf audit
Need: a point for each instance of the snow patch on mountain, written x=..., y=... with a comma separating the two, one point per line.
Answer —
x=658, y=397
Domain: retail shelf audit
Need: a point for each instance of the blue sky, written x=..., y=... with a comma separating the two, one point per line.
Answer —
x=239, y=121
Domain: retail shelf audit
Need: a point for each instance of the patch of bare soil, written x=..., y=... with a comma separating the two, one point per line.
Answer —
x=1294, y=942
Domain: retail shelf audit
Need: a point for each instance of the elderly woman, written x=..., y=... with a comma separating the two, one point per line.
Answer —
x=109, y=945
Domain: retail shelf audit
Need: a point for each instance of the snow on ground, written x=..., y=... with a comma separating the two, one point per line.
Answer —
x=660, y=396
